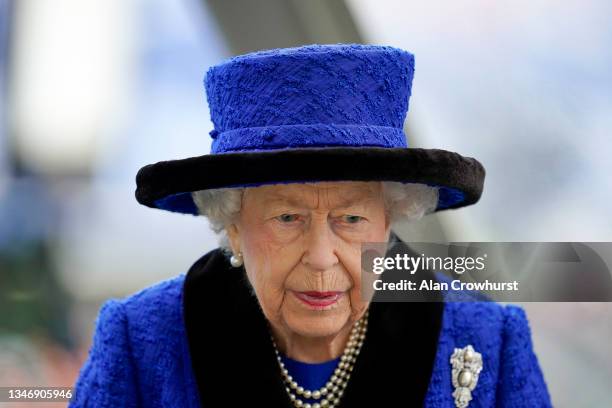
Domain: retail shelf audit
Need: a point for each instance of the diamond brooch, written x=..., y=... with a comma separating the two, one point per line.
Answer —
x=467, y=364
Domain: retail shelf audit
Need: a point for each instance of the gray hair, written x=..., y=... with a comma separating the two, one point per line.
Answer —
x=403, y=202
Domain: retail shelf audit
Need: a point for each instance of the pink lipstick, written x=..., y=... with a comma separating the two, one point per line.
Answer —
x=318, y=300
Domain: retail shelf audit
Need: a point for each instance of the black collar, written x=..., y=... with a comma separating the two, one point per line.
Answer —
x=234, y=362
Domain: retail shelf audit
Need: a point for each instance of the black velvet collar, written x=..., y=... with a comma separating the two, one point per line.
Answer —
x=234, y=362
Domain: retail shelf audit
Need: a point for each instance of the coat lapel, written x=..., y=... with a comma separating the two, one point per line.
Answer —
x=233, y=358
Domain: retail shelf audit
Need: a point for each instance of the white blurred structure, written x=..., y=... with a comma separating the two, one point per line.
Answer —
x=72, y=62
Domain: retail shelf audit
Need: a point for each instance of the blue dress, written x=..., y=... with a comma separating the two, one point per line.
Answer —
x=180, y=343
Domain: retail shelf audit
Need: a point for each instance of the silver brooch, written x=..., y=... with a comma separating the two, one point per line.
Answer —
x=467, y=364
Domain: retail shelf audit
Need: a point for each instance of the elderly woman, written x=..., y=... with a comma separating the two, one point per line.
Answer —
x=308, y=162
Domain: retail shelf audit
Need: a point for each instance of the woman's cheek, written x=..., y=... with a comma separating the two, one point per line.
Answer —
x=267, y=295
x=352, y=264
x=276, y=294
x=271, y=290
x=358, y=305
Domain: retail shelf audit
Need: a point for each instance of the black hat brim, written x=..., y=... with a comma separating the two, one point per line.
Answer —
x=168, y=184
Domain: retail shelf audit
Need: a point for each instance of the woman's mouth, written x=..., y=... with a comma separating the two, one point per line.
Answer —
x=318, y=300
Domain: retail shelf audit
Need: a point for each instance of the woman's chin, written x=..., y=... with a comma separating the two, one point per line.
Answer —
x=317, y=323
x=321, y=327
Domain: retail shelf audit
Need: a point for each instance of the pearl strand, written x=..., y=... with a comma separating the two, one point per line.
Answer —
x=333, y=390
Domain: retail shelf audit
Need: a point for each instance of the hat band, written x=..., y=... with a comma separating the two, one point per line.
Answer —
x=317, y=135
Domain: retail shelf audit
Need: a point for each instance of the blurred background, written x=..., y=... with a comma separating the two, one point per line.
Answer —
x=92, y=90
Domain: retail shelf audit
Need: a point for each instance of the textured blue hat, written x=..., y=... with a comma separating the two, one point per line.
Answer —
x=311, y=113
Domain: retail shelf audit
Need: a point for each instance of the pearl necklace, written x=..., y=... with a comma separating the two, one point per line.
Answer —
x=332, y=391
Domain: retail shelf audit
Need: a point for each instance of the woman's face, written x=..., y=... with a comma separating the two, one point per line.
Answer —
x=301, y=245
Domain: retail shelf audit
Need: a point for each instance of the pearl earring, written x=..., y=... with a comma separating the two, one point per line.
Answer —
x=236, y=260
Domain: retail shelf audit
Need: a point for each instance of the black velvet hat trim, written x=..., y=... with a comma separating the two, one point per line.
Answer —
x=234, y=362
x=168, y=184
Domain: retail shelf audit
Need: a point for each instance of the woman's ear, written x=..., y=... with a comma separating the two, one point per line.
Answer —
x=233, y=234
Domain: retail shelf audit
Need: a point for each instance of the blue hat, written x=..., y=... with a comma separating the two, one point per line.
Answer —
x=313, y=113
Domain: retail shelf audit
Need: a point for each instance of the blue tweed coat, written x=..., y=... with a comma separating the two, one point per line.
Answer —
x=200, y=340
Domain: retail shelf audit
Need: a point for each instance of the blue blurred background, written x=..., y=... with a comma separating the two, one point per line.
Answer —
x=92, y=90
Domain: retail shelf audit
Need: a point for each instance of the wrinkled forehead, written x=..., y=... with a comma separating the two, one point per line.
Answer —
x=336, y=194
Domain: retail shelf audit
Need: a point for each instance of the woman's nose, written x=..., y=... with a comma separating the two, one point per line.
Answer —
x=320, y=249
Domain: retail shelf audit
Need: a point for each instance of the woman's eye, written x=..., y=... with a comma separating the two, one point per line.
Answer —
x=286, y=218
x=352, y=219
